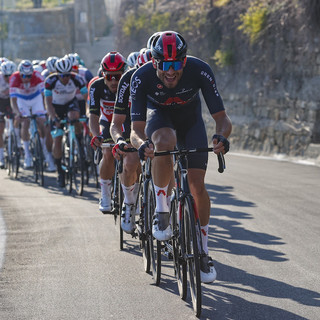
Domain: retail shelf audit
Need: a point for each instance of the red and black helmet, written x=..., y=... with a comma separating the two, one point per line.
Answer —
x=113, y=61
x=143, y=57
x=169, y=46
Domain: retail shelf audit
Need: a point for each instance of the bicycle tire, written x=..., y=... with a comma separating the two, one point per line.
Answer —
x=142, y=227
x=154, y=244
x=15, y=160
x=120, y=199
x=77, y=168
x=178, y=247
x=37, y=159
x=8, y=154
x=65, y=165
x=193, y=256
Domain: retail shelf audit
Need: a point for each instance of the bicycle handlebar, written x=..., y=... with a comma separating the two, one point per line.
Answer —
x=111, y=145
x=221, y=160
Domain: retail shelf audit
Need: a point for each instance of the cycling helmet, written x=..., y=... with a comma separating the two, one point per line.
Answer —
x=169, y=46
x=143, y=57
x=8, y=68
x=113, y=61
x=132, y=59
x=42, y=63
x=3, y=59
x=73, y=58
x=38, y=68
x=25, y=67
x=63, y=65
x=50, y=63
x=149, y=42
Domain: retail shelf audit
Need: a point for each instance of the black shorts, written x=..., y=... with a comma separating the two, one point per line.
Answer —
x=105, y=131
x=190, y=130
x=63, y=109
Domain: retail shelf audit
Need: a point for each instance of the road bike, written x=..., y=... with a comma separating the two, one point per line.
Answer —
x=91, y=169
x=72, y=162
x=116, y=190
x=185, y=246
x=150, y=247
x=12, y=151
x=36, y=148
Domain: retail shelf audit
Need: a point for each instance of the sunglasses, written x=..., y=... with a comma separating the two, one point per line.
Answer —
x=64, y=75
x=166, y=65
x=111, y=77
x=7, y=75
x=25, y=76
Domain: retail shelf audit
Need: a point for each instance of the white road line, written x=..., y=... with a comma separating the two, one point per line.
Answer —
x=3, y=237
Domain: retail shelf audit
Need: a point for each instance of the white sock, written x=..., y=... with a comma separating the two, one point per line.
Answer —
x=129, y=195
x=204, y=237
x=26, y=149
x=105, y=188
x=161, y=199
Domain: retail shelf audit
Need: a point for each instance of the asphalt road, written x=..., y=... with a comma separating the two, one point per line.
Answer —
x=60, y=258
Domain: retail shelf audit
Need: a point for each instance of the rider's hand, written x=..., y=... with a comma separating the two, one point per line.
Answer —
x=119, y=148
x=56, y=122
x=146, y=150
x=220, y=144
x=96, y=142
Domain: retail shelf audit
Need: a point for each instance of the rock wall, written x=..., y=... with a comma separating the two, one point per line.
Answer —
x=37, y=34
x=270, y=87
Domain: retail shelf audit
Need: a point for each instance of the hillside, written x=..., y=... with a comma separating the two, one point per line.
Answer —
x=265, y=55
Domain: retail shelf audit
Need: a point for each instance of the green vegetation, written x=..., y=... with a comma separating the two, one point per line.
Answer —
x=134, y=24
x=191, y=22
x=220, y=3
x=223, y=58
x=254, y=20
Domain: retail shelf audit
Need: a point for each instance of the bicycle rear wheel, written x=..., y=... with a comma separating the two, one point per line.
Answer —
x=143, y=227
x=154, y=244
x=193, y=257
x=77, y=167
x=178, y=247
x=120, y=203
x=15, y=156
x=37, y=154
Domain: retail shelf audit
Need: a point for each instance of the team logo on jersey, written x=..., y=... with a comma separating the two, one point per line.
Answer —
x=159, y=86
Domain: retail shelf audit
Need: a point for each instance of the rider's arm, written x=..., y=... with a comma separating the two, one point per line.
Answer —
x=14, y=105
x=116, y=126
x=94, y=124
x=223, y=128
x=50, y=107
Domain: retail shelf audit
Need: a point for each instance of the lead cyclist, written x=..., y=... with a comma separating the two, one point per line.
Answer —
x=166, y=109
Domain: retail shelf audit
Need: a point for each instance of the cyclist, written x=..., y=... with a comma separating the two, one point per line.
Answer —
x=132, y=59
x=120, y=132
x=86, y=74
x=26, y=94
x=61, y=102
x=50, y=66
x=7, y=69
x=102, y=96
x=166, y=108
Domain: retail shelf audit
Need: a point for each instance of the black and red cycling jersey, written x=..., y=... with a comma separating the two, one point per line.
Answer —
x=147, y=90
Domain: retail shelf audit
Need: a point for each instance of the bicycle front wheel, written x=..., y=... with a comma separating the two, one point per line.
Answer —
x=77, y=167
x=15, y=156
x=37, y=159
x=192, y=253
x=154, y=244
x=178, y=247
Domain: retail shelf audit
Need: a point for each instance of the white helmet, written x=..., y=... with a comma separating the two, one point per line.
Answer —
x=8, y=68
x=25, y=67
x=132, y=59
x=63, y=65
x=50, y=63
